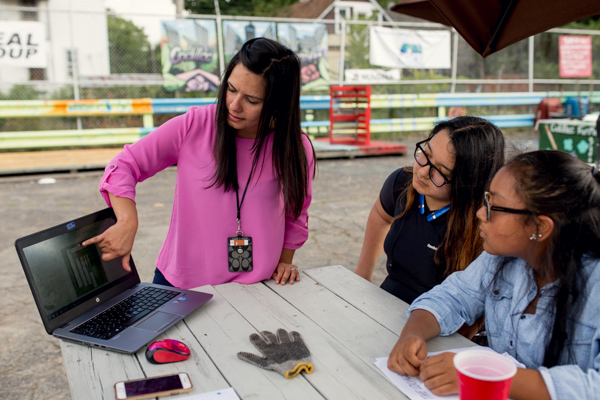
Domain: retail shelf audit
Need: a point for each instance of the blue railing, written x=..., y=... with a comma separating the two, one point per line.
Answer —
x=441, y=102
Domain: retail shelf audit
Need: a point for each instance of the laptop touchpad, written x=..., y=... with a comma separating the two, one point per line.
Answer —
x=158, y=321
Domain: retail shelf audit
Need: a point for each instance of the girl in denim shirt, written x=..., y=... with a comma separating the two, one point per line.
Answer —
x=537, y=283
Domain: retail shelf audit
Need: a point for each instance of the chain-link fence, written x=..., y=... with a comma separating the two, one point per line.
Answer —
x=97, y=54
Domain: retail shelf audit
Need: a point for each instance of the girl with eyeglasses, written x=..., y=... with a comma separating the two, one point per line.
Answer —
x=424, y=218
x=537, y=283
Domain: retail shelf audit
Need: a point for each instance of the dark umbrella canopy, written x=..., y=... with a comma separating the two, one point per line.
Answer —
x=491, y=25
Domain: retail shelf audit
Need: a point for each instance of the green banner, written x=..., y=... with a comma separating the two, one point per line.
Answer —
x=578, y=138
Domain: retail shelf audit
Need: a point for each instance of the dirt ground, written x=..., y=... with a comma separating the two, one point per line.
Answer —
x=30, y=359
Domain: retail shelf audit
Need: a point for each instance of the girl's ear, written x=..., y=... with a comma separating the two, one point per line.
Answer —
x=545, y=226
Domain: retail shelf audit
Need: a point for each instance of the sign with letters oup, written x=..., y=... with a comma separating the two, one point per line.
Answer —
x=22, y=44
x=406, y=48
x=575, y=56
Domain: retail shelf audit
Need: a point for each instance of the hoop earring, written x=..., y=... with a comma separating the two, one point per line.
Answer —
x=535, y=236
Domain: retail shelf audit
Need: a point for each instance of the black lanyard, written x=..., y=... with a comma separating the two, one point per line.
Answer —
x=239, y=204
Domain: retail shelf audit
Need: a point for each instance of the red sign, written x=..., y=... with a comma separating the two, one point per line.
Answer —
x=575, y=56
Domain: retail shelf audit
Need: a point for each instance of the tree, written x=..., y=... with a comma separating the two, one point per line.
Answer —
x=128, y=46
x=587, y=23
x=255, y=8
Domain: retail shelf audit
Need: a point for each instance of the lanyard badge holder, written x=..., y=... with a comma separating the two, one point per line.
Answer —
x=240, y=247
x=240, y=252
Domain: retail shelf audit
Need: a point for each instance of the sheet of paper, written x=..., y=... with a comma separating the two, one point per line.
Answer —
x=225, y=394
x=411, y=386
x=414, y=388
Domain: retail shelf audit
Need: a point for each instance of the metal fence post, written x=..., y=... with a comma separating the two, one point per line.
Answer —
x=75, y=65
x=220, y=38
x=454, y=59
x=530, y=66
x=342, y=52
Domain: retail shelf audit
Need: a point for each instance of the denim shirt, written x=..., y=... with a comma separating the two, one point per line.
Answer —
x=466, y=295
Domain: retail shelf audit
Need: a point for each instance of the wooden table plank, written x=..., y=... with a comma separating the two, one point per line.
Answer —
x=339, y=374
x=357, y=331
x=55, y=160
x=223, y=331
x=383, y=307
x=206, y=376
x=345, y=321
x=93, y=372
x=108, y=367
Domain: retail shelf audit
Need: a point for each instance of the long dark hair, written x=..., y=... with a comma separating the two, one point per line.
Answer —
x=566, y=189
x=479, y=153
x=280, y=70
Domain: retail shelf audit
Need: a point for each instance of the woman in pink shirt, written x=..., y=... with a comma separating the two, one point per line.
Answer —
x=244, y=179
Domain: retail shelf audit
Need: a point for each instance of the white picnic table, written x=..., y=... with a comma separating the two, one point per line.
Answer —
x=346, y=323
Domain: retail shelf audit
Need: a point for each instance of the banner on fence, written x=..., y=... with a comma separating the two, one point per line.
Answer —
x=575, y=56
x=236, y=33
x=23, y=44
x=404, y=48
x=190, y=60
x=309, y=42
x=371, y=75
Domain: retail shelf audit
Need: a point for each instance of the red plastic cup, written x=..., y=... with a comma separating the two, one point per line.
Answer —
x=483, y=375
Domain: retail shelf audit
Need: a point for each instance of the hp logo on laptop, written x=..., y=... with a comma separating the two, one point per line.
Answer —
x=70, y=225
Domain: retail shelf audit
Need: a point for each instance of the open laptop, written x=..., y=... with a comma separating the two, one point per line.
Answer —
x=86, y=300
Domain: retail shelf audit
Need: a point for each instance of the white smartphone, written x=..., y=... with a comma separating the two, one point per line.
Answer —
x=154, y=386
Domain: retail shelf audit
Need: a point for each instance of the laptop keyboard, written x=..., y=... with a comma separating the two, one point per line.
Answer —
x=125, y=313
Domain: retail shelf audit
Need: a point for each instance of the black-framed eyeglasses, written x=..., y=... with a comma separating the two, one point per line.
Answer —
x=489, y=208
x=436, y=176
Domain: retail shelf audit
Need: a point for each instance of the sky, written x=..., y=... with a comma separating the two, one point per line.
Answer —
x=145, y=14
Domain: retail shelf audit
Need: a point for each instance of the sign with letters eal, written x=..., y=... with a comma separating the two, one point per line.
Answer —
x=22, y=44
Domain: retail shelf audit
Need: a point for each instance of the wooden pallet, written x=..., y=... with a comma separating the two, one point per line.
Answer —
x=55, y=160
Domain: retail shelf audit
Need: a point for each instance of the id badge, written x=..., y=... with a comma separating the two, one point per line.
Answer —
x=240, y=253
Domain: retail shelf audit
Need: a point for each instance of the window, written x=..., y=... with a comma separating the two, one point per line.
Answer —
x=71, y=62
x=37, y=74
x=29, y=15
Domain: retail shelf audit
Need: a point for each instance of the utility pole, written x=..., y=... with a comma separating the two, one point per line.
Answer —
x=220, y=37
x=178, y=7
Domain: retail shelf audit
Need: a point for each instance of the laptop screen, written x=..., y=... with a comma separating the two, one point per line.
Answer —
x=62, y=273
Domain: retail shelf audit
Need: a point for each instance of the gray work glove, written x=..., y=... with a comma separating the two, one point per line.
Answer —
x=285, y=353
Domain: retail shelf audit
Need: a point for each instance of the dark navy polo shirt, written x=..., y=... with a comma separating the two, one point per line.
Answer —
x=411, y=243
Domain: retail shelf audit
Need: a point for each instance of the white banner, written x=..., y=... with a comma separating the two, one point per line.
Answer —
x=371, y=75
x=404, y=48
x=22, y=44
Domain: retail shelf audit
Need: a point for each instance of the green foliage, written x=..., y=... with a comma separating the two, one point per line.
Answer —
x=546, y=64
x=255, y=8
x=64, y=93
x=21, y=92
x=357, y=47
x=592, y=23
x=129, y=49
x=125, y=92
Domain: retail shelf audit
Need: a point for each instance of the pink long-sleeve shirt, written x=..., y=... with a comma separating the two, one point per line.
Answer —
x=194, y=252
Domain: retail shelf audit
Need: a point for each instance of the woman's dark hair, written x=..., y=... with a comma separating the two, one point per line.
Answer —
x=280, y=70
x=566, y=189
x=478, y=147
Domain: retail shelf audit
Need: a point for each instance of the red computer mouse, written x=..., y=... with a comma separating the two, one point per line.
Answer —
x=167, y=351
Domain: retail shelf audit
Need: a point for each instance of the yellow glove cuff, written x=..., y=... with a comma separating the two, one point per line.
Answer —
x=299, y=368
